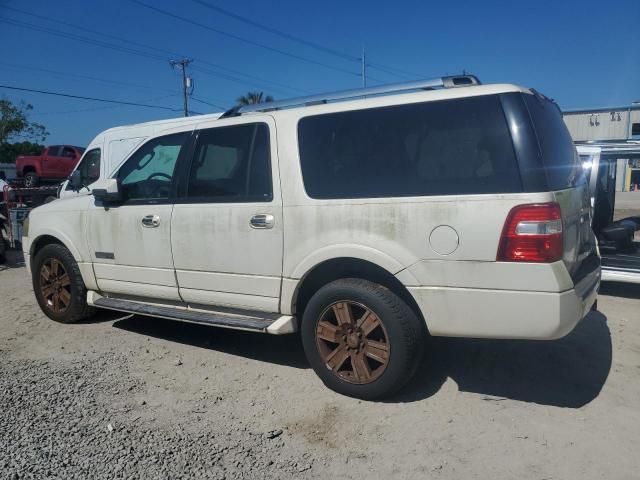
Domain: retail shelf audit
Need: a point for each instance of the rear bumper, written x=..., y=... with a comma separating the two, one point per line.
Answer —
x=509, y=314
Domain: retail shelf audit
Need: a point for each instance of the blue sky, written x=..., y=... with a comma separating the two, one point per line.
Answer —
x=582, y=53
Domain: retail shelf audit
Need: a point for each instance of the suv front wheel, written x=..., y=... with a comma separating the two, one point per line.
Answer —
x=58, y=285
x=361, y=339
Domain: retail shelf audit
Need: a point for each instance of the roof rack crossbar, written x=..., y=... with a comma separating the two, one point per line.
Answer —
x=440, y=82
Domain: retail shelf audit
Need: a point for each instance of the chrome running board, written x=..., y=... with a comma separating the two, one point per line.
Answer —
x=255, y=322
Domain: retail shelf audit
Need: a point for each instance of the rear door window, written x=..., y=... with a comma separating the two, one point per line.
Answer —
x=54, y=151
x=231, y=164
x=448, y=147
x=68, y=152
x=559, y=156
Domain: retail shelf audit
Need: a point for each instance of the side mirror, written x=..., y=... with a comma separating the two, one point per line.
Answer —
x=75, y=180
x=107, y=191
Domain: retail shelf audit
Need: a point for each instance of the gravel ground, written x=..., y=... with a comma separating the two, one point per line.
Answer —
x=137, y=397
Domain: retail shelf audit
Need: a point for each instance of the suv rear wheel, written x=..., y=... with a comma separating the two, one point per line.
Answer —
x=361, y=339
x=58, y=285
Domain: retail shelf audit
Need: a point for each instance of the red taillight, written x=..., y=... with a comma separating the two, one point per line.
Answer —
x=532, y=233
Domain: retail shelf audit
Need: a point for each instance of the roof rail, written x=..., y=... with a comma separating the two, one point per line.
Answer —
x=440, y=82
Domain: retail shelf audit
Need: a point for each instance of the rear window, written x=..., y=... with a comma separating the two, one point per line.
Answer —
x=446, y=147
x=559, y=156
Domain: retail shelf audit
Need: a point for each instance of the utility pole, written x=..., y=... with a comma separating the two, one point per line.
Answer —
x=364, y=70
x=183, y=64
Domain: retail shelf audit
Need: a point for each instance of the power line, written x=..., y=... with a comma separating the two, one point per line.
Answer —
x=250, y=79
x=81, y=39
x=93, y=109
x=288, y=36
x=88, y=30
x=394, y=71
x=112, y=46
x=207, y=103
x=275, y=31
x=232, y=78
x=84, y=77
x=80, y=97
x=129, y=50
x=242, y=39
x=384, y=68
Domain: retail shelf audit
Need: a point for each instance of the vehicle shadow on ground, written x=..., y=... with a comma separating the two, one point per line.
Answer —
x=569, y=372
x=15, y=259
x=104, y=316
x=616, y=289
x=281, y=350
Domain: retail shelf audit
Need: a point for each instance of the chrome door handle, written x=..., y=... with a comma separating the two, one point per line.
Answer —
x=151, y=221
x=262, y=220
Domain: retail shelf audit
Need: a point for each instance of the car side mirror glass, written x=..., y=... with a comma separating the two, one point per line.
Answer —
x=75, y=180
x=107, y=191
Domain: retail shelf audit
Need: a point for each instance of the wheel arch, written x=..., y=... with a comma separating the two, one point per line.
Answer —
x=29, y=168
x=48, y=238
x=348, y=267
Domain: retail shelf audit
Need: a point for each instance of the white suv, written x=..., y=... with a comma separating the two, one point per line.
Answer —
x=366, y=219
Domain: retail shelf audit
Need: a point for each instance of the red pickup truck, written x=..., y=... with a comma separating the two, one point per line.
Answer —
x=55, y=163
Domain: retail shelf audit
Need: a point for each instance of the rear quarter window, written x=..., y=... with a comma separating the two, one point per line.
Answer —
x=449, y=147
x=559, y=156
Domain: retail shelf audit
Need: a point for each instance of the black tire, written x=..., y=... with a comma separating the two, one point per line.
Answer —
x=77, y=308
x=404, y=332
x=31, y=179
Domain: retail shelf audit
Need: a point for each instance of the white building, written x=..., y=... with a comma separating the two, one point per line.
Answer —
x=611, y=125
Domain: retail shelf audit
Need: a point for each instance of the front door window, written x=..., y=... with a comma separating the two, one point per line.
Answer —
x=147, y=175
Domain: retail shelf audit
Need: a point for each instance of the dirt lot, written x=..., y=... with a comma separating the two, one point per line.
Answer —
x=135, y=397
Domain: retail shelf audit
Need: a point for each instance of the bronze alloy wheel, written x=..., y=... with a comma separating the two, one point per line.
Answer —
x=352, y=342
x=55, y=285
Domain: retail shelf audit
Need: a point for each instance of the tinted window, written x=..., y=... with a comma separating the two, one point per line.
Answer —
x=89, y=168
x=68, y=152
x=559, y=156
x=231, y=164
x=148, y=173
x=54, y=151
x=435, y=148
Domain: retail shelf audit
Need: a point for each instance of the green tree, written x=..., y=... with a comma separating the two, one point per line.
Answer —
x=18, y=135
x=15, y=124
x=254, y=97
x=10, y=151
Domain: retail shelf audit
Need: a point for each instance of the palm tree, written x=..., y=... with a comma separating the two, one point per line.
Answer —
x=253, y=97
